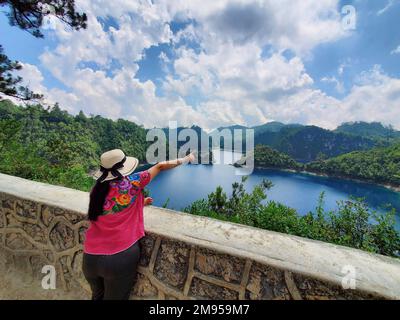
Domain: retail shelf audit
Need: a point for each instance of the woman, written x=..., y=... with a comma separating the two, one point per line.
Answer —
x=111, y=247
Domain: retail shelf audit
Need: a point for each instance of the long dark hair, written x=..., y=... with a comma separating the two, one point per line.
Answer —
x=97, y=197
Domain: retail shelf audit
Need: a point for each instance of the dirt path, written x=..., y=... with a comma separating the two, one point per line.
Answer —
x=14, y=285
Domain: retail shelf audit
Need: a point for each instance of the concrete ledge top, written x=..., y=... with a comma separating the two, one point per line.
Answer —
x=374, y=273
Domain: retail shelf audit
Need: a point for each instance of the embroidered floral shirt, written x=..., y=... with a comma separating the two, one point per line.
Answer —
x=121, y=223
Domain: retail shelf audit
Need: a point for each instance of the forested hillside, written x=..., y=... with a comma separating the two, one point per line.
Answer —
x=308, y=143
x=372, y=130
x=53, y=146
x=380, y=165
x=265, y=157
x=56, y=147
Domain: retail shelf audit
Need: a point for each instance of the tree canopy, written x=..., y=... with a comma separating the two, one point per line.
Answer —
x=29, y=15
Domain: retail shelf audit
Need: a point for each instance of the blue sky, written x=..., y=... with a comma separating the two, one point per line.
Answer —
x=371, y=43
x=245, y=62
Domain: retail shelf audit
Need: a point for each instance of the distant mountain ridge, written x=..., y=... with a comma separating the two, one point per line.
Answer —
x=368, y=129
x=309, y=143
x=273, y=126
x=306, y=143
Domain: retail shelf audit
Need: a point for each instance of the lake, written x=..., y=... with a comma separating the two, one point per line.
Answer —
x=185, y=184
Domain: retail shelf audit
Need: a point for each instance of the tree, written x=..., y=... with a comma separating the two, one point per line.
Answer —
x=9, y=83
x=9, y=128
x=29, y=15
x=321, y=156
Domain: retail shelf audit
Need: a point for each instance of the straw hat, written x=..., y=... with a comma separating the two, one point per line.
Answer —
x=114, y=164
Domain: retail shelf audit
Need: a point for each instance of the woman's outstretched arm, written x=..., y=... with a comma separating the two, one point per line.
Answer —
x=166, y=165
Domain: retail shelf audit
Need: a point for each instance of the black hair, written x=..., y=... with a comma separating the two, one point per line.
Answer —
x=97, y=197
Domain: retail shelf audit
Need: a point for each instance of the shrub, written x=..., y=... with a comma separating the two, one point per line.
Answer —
x=351, y=224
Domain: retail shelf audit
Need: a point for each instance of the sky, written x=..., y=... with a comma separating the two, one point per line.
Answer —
x=217, y=63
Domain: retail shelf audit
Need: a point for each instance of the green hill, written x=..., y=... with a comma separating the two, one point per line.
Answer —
x=231, y=128
x=308, y=143
x=40, y=143
x=204, y=156
x=265, y=157
x=371, y=130
x=273, y=126
x=380, y=165
x=53, y=146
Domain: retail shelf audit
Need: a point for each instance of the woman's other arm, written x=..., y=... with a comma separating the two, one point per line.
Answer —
x=148, y=201
x=167, y=165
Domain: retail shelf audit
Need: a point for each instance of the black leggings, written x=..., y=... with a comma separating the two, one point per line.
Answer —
x=111, y=277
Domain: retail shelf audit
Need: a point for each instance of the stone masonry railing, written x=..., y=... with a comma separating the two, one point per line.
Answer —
x=185, y=256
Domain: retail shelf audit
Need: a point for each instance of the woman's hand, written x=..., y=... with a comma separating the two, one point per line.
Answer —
x=187, y=159
x=167, y=165
x=148, y=201
x=191, y=157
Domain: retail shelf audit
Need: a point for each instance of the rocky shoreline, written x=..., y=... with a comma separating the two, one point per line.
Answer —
x=387, y=185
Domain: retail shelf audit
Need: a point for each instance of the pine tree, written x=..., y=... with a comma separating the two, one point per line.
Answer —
x=29, y=15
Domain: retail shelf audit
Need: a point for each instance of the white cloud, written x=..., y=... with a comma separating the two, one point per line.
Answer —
x=374, y=97
x=396, y=51
x=388, y=5
x=297, y=25
x=339, y=86
x=229, y=70
x=32, y=77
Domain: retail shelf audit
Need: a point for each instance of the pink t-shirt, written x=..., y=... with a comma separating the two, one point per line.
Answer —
x=121, y=223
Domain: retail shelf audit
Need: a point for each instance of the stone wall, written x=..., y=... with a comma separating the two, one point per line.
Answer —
x=183, y=256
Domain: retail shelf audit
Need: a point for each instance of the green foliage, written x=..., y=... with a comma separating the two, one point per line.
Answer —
x=374, y=130
x=311, y=143
x=29, y=16
x=165, y=205
x=49, y=145
x=11, y=84
x=25, y=161
x=266, y=157
x=306, y=143
x=378, y=165
x=352, y=224
x=273, y=126
x=381, y=165
x=52, y=146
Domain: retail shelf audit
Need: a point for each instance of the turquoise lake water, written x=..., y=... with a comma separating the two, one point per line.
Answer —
x=185, y=184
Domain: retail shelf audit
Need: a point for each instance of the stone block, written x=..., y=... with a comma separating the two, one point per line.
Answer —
x=146, y=248
x=26, y=209
x=206, y=290
x=17, y=242
x=62, y=236
x=266, y=283
x=313, y=289
x=172, y=263
x=221, y=266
